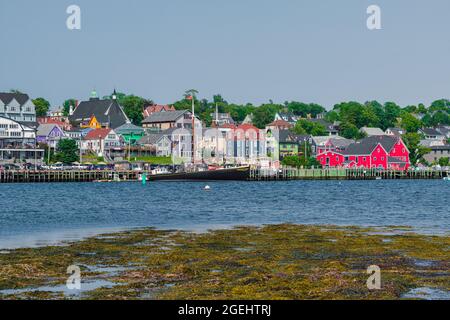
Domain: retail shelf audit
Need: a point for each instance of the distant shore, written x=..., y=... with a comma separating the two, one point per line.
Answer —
x=270, y=262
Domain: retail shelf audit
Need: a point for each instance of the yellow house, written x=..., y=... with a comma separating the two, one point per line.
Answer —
x=93, y=124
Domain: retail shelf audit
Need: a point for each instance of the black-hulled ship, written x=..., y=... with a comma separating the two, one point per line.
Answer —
x=236, y=174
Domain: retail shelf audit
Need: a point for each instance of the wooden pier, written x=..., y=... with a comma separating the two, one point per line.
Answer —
x=255, y=174
x=343, y=174
x=67, y=176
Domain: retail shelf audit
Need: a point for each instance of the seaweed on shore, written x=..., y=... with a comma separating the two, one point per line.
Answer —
x=270, y=262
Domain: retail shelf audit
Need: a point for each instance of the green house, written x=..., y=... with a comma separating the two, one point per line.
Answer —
x=130, y=133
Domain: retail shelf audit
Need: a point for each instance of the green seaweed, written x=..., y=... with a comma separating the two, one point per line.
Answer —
x=269, y=262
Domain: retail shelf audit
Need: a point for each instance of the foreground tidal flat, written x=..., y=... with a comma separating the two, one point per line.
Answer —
x=269, y=262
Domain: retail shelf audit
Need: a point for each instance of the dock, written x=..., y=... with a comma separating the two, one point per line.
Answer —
x=284, y=174
x=254, y=174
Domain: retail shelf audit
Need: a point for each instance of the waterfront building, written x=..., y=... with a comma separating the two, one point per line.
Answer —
x=437, y=152
x=104, y=142
x=18, y=107
x=50, y=134
x=154, y=108
x=160, y=121
x=159, y=143
x=18, y=143
x=321, y=143
x=246, y=144
x=96, y=113
x=130, y=133
x=384, y=152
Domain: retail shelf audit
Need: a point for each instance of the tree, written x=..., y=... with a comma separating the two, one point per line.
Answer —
x=440, y=118
x=304, y=109
x=444, y=162
x=133, y=107
x=67, y=151
x=412, y=141
x=42, y=107
x=265, y=114
x=309, y=127
x=350, y=131
x=410, y=123
x=67, y=104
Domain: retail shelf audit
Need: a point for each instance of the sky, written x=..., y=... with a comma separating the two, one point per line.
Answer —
x=246, y=50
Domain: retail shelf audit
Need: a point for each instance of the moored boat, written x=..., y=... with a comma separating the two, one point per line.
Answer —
x=237, y=174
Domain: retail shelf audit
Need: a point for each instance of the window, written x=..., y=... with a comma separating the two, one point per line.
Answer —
x=374, y=158
x=403, y=150
x=364, y=159
x=382, y=158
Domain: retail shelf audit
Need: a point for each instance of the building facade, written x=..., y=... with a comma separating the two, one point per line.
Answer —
x=18, y=107
x=18, y=143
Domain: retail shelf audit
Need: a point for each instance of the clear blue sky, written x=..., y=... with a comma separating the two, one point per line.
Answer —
x=247, y=50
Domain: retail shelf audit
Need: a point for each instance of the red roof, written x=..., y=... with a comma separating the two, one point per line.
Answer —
x=157, y=108
x=246, y=127
x=97, y=134
x=42, y=120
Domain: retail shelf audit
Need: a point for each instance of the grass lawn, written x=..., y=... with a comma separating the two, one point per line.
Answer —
x=153, y=160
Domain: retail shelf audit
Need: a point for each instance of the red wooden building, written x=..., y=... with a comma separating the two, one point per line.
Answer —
x=383, y=152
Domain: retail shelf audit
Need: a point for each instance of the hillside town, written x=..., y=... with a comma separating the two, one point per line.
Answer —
x=101, y=133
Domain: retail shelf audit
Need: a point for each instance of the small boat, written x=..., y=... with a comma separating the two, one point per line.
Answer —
x=446, y=179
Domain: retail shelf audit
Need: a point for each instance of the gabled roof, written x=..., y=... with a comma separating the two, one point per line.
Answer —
x=287, y=136
x=98, y=134
x=169, y=116
x=129, y=128
x=157, y=108
x=373, y=131
x=105, y=111
x=21, y=98
x=151, y=139
x=287, y=116
x=341, y=142
x=431, y=132
x=367, y=145
x=44, y=129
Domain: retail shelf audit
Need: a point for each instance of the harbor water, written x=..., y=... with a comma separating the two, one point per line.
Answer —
x=46, y=214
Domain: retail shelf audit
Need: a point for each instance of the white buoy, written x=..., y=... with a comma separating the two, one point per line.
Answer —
x=207, y=188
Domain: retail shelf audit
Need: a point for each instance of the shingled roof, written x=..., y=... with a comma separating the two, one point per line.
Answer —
x=367, y=145
x=7, y=97
x=128, y=128
x=168, y=116
x=107, y=112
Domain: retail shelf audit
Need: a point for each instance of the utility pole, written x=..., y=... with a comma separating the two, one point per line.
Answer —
x=193, y=130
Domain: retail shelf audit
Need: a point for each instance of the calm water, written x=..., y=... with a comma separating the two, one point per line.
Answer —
x=40, y=214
